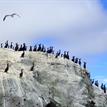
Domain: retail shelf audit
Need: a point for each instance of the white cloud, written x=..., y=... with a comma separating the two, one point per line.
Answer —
x=79, y=26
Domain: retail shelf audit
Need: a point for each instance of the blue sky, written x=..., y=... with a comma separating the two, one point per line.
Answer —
x=104, y=4
x=79, y=26
x=97, y=64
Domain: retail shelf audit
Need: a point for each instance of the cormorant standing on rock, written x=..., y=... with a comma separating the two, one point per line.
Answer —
x=73, y=58
x=88, y=74
x=1, y=45
x=96, y=83
x=42, y=48
x=16, y=47
x=11, y=45
x=23, y=54
x=102, y=86
x=104, y=89
x=21, y=48
x=30, y=48
x=47, y=50
x=76, y=60
x=84, y=66
x=67, y=55
x=6, y=44
x=39, y=47
x=21, y=74
x=24, y=48
x=64, y=54
x=80, y=62
x=58, y=54
x=32, y=68
x=50, y=50
x=35, y=48
x=7, y=68
x=92, y=81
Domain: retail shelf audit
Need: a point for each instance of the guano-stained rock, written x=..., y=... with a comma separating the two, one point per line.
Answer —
x=57, y=81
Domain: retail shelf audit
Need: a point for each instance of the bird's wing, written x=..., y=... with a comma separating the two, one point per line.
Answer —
x=5, y=17
x=15, y=14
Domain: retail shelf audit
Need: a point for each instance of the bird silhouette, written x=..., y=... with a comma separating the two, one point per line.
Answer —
x=21, y=74
x=11, y=15
x=23, y=54
x=32, y=67
x=7, y=68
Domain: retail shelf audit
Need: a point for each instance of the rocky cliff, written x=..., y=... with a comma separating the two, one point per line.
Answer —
x=54, y=82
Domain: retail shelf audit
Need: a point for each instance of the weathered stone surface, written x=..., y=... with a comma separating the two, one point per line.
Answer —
x=57, y=80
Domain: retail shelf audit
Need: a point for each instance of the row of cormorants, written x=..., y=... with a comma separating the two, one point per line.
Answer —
x=42, y=48
x=49, y=50
x=96, y=83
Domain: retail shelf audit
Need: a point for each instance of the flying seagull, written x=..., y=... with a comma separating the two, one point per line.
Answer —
x=11, y=15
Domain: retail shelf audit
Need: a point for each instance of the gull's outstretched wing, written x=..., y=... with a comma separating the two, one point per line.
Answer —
x=15, y=14
x=5, y=17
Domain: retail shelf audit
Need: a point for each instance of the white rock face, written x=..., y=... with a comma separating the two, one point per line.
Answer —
x=57, y=80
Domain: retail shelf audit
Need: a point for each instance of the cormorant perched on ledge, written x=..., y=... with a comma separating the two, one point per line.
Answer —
x=96, y=83
x=84, y=66
x=30, y=48
x=76, y=60
x=58, y=54
x=11, y=45
x=23, y=54
x=32, y=68
x=21, y=48
x=7, y=68
x=79, y=62
x=21, y=74
x=73, y=58
x=35, y=48
x=1, y=45
x=17, y=47
x=66, y=55
x=6, y=44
